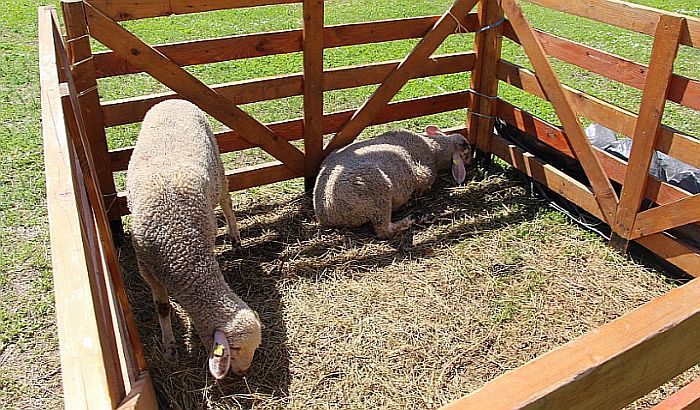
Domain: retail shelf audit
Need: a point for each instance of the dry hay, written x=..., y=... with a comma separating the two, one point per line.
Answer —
x=493, y=280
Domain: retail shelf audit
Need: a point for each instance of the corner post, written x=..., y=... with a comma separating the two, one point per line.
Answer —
x=313, y=89
x=484, y=78
x=83, y=68
x=646, y=132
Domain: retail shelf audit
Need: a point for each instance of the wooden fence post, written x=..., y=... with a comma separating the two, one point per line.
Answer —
x=646, y=133
x=83, y=68
x=313, y=89
x=484, y=78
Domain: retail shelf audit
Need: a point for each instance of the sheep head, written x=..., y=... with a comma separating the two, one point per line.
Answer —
x=233, y=345
x=458, y=148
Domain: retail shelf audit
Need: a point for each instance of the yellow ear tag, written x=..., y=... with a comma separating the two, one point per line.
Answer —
x=454, y=161
x=219, y=350
x=257, y=316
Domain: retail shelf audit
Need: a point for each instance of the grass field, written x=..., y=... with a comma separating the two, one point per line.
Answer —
x=514, y=228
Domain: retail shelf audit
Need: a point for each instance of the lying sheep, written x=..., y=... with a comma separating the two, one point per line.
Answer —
x=365, y=181
x=174, y=181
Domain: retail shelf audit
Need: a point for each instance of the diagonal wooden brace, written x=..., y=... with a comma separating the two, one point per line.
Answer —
x=600, y=184
x=646, y=132
x=136, y=52
x=672, y=215
x=398, y=78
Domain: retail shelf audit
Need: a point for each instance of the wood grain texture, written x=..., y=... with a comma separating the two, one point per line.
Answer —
x=142, y=395
x=398, y=78
x=670, y=141
x=261, y=174
x=646, y=132
x=90, y=373
x=604, y=193
x=683, y=90
x=656, y=191
x=80, y=55
x=313, y=85
x=122, y=10
x=130, y=110
x=134, y=359
x=684, y=257
x=554, y=179
x=687, y=398
x=214, y=50
x=668, y=216
x=484, y=79
x=630, y=16
x=674, y=251
x=131, y=47
x=606, y=368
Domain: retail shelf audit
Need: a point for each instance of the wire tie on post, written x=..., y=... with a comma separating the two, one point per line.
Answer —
x=490, y=97
x=70, y=40
x=492, y=25
x=460, y=28
x=87, y=91
x=490, y=117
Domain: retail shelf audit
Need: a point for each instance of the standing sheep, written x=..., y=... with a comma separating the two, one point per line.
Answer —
x=365, y=181
x=174, y=181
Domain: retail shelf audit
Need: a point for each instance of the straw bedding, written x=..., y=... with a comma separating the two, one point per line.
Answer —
x=489, y=280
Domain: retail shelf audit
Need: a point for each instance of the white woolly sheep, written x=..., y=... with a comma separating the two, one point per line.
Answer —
x=365, y=181
x=174, y=181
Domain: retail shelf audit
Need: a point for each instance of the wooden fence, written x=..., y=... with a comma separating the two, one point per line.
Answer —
x=607, y=368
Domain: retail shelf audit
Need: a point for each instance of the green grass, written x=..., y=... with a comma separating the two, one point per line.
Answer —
x=28, y=344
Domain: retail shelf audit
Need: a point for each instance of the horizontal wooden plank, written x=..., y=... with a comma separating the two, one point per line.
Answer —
x=683, y=90
x=553, y=136
x=668, y=216
x=659, y=192
x=687, y=398
x=671, y=141
x=126, y=111
x=122, y=10
x=606, y=368
x=546, y=174
x=634, y=17
x=108, y=63
x=293, y=129
x=261, y=174
x=673, y=251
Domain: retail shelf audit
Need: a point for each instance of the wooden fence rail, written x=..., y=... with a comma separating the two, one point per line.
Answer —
x=82, y=196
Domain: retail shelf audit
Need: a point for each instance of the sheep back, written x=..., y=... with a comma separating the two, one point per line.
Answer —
x=354, y=181
x=174, y=180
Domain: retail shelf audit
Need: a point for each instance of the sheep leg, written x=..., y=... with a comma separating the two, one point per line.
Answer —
x=386, y=229
x=160, y=297
x=227, y=207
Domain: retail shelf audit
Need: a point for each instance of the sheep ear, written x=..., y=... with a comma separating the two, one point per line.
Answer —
x=433, y=130
x=458, y=171
x=219, y=356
